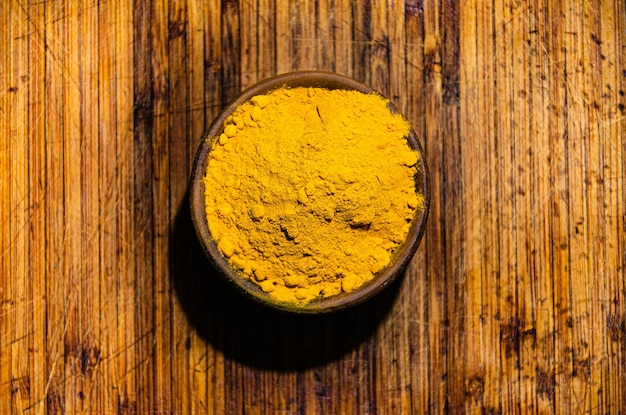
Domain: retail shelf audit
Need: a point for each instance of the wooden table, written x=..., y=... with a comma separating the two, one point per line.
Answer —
x=514, y=303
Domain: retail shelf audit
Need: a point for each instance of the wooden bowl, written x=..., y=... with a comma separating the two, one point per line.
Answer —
x=399, y=259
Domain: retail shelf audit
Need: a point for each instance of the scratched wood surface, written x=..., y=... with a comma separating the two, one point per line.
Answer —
x=514, y=303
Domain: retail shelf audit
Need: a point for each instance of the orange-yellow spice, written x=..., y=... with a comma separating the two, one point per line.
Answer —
x=309, y=190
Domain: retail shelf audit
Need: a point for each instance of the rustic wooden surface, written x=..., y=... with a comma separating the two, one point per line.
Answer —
x=514, y=303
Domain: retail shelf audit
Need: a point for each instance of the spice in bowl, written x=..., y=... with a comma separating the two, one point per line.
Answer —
x=309, y=191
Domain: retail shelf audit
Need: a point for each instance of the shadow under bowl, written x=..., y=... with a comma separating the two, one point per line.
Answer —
x=400, y=257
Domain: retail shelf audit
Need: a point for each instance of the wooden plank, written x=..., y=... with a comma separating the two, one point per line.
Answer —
x=378, y=45
x=509, y=356
x=450, y=200
x=324, y=34
x=361, y=37
x=146, y=99
x=7, y=92
x=169, y=30
x=559, y=214
x=620, y=60
x=56, y=278
x=108, y=204
x=539, y=27
x=342, y=37
x=249, y=37
x=303, y=24
x=89, y=396
x=283, y=40
x=257, y=31
x=490, y=267
x=230, y=52
x=518, y=189
x=423, y=61
x=266, y=29
x=471, y=360
x=196, y=40
x=594, y=229
x=612, y=153
x=73, y=260
x=576, y=244
x=37, y=183
x=18, y=195
x=125, y=392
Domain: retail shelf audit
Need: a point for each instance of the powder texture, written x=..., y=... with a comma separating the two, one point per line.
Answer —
x=309, y=191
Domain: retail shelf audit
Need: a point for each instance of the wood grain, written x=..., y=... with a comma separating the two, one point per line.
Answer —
x=514, y=303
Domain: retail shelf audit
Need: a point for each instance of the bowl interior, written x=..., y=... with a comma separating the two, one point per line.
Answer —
x=399, y=259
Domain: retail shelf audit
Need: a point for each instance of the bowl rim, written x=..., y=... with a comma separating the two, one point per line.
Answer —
x=402, y=254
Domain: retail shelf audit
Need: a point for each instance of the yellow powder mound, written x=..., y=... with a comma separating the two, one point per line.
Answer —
x=309, y=191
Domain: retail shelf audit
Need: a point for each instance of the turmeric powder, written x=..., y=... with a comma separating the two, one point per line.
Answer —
x=309, y=191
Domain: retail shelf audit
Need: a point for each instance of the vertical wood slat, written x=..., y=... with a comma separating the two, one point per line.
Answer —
x=468, y=366
x=230, y=76
x=73, y=259
x=90, y=340
x=576, y=245
x=489, y=182
x=36, y=208
x=109, y=194
x=342, y=59
x=21, y=303
x=169, y=28
x=379, y=46
x=541, y=267
x=6, y=276
x=282, y=37
x=514, y=303
x=594, y=368
x=146, y=99
x=613, y=180
x=56, y=310
x=125, y=397
x=520, y=191
x=506, y=214
x=425, y=49
x=324, y=32
x=452, y=192
x=558, y=228
x=361, y=37
x=619, y=62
